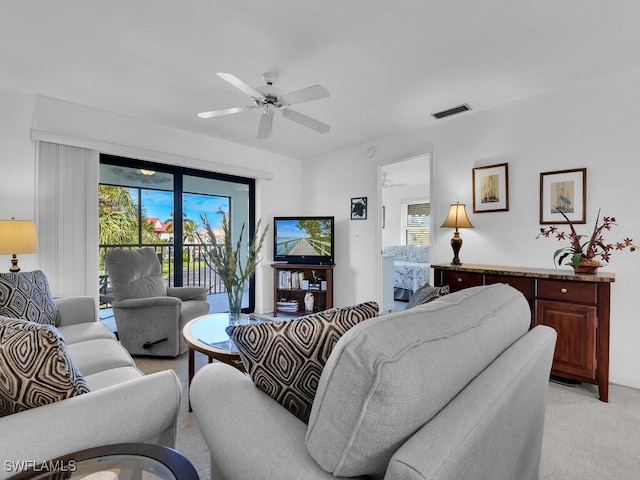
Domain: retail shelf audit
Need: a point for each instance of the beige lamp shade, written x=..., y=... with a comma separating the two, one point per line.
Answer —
x=457, y=217
x=17, y=236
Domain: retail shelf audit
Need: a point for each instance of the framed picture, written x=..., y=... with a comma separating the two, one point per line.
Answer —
x=566, y=191
x=491, y=188
x=359, y=208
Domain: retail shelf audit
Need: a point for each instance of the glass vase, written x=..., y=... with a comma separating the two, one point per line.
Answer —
x=235, y=305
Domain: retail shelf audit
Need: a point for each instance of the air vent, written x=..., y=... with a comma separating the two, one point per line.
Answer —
x=452, y=111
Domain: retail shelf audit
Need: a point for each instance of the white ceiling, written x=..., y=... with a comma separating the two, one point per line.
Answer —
x=387, y=65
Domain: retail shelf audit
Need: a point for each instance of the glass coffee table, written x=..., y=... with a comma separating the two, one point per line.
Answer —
x=138, y=461
x=206, y=335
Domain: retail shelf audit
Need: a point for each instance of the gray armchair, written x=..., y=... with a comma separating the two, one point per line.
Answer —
x=148, y=314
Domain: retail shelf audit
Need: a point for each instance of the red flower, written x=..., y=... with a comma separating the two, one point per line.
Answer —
x=582, y=246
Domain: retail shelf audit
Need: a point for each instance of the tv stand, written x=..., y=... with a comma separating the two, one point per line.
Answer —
x=288, y=285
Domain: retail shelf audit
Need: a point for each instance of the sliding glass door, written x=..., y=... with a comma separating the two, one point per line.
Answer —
x=163, y=207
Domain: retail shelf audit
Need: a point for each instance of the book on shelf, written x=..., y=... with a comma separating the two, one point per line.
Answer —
x=290, y=279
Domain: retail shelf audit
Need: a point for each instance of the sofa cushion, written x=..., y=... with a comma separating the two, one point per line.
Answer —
x=81, y=332
x=26, y=295
x=111, y=377
x=389, y=376
x=98, y=355
x=35, y=367
x=285, y=358
x=426, y=294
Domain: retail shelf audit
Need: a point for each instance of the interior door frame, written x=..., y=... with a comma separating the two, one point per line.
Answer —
x=429, y=151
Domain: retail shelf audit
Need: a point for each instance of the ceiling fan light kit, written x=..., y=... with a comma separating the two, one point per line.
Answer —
x=271, y=99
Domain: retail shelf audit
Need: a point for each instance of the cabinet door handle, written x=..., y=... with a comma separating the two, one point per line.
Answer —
x=563, y=290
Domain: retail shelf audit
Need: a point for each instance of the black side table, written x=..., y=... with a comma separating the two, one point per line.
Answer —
x=134, y=461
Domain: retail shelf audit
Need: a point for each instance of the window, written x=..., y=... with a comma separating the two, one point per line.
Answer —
x=417, y=225
x=161, y=206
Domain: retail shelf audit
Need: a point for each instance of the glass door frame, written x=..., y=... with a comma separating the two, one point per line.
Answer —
x=178, y=173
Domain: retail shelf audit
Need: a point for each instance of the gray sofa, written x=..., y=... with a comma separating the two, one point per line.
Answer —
x=123, y=404
x=453, y=389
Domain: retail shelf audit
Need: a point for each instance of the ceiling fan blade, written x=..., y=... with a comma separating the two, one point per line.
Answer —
x=308, y=122
x=264, y=128
x=240, y=85
x=305, y=95
x=226, y=111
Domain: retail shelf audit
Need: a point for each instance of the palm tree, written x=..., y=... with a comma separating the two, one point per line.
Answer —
x=189, y=233
x=118, y=218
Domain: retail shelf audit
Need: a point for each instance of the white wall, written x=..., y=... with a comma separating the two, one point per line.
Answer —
x=277, y=176
x=594, y=125
x=17, y=163
x=393, y=200
x=352, y=173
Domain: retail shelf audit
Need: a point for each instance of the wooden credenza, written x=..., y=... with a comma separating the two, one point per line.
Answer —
x=575, y=305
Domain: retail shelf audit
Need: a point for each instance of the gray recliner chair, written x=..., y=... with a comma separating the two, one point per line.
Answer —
x=148, y=314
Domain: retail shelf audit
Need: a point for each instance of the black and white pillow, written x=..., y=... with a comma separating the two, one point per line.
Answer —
x=26, y=295
x=285, y=358
x=426, y=294
x=36, y=367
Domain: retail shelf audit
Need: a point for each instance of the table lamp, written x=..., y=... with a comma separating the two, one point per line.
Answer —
x=17, y=236
x=457, y=218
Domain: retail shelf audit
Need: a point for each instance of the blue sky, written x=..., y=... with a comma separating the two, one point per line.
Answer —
x=287, y=228
x=160, y=204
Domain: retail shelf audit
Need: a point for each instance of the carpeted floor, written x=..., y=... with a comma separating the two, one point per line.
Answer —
x=585, y=439
x=189, y=440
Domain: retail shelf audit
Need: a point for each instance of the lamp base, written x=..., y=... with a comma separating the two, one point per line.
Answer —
x=456, y=244
x=14, y=264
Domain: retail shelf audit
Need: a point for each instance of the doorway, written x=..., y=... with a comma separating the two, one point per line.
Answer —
x=405, y=197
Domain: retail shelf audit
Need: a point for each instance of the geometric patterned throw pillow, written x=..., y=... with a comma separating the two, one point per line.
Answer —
x=285, y=358
x=35, y=368
x=426, y=294
x=26, y=295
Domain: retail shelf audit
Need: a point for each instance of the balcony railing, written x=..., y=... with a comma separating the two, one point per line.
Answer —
x=195, y=272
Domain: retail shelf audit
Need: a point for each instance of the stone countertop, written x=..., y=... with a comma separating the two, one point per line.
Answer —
x=555, y=274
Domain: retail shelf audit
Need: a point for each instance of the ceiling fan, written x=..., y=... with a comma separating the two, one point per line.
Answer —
x=271, y=99
x=388, y=183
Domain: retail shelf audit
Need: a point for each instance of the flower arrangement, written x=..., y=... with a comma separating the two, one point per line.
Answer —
x=583, y=250
x=227, y=260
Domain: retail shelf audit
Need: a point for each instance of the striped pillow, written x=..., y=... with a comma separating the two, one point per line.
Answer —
x=285, y=358
x=36, y=368
x=426, y=294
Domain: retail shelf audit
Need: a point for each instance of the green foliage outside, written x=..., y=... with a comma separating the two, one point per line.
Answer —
x=118, y=223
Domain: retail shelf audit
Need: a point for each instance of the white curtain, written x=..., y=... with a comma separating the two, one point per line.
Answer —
x=67, y=217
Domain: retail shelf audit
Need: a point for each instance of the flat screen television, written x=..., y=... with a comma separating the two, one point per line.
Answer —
x=303, y=239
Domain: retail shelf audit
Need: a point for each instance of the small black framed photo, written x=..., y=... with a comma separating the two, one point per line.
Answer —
x=359, y=208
